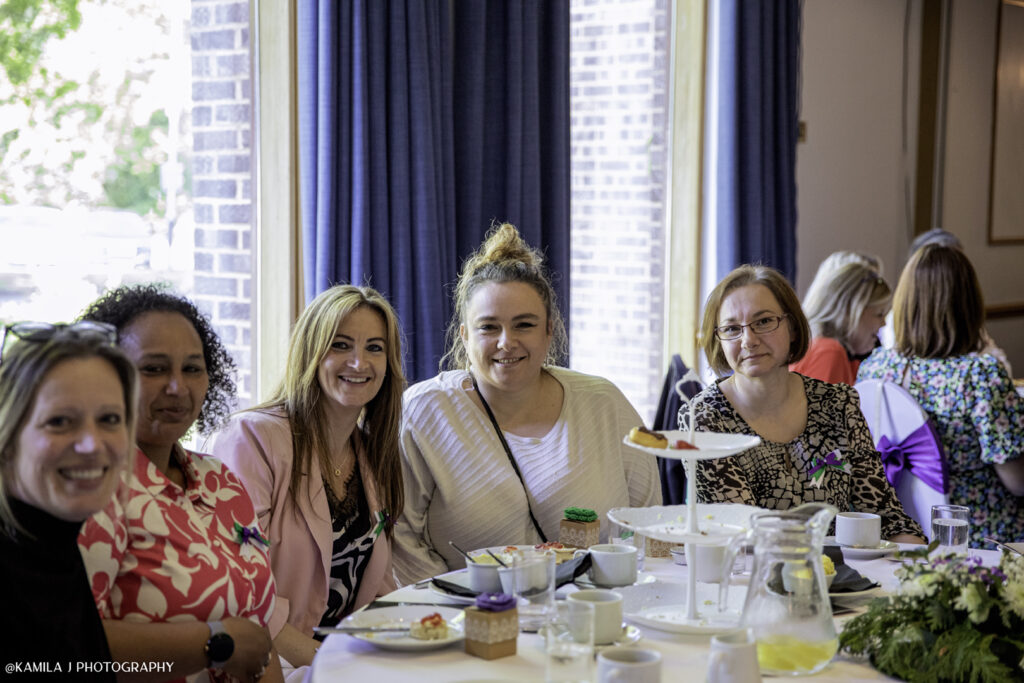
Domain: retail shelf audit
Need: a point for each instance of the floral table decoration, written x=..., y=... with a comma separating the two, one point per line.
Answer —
x=951, y=620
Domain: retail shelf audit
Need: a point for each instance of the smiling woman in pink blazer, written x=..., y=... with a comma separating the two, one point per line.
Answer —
x=320, y=460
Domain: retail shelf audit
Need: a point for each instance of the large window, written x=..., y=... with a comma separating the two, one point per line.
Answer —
x=125, y=156
x=619, y=74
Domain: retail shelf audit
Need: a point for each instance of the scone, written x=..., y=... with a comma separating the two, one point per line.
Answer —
x=645, y=437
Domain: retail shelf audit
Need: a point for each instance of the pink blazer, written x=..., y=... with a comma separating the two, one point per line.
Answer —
x=258, y=449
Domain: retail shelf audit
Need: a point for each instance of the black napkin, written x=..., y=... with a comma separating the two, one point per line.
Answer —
x=848, y=579
x=564, y=573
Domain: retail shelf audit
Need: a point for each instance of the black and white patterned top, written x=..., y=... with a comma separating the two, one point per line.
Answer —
x=832, y=461
x=353, y=545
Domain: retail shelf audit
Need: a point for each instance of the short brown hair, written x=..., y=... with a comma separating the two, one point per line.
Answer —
x=780, y=289
x=938, y=309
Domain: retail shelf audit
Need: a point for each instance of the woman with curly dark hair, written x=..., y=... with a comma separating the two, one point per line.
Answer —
x=175, y=574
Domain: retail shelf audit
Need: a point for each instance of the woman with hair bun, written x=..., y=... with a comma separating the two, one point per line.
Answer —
x=502, y=440
x=845, y=313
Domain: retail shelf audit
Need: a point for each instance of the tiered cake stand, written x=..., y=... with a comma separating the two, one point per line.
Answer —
x=692, y=524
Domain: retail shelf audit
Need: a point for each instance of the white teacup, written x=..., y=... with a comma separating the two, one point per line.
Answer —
x=607, y=613
x=629, y=664
x=483, y=578
x=733, y=658
x=858, y=529
x=612, y=564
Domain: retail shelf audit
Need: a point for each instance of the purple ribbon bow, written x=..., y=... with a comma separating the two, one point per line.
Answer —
x=919, y=453
x=830, y=460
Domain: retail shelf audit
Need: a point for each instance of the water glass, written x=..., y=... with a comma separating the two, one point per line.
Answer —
x=951, y=526
x=533, y=585
x=569, y=643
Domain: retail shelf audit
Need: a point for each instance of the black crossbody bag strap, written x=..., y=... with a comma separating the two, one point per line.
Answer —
x=511, y=459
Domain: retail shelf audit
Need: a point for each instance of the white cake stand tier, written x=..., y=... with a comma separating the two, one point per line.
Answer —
x=692, y=524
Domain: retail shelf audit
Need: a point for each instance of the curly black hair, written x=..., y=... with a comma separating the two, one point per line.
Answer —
x=120, y=306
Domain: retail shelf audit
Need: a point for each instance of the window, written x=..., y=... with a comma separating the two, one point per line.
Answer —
x=129, y=160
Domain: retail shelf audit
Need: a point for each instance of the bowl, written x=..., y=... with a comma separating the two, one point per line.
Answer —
x=483, y=578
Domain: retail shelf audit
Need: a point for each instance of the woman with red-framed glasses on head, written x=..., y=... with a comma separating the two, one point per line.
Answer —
x=815, y=445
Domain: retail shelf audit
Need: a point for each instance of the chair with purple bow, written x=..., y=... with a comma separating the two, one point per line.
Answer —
x=913, y=457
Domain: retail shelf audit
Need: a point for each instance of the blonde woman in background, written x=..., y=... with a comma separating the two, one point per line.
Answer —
x=845, y=314
x=320, y=460
x=563, y=429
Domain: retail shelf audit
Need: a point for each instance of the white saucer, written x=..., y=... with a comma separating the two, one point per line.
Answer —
x=662, y=605
x=855, y=594
x=584, y=581
x=849, y=552
x=630, y=635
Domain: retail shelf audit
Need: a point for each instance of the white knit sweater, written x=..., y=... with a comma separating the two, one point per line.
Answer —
x=460, y=486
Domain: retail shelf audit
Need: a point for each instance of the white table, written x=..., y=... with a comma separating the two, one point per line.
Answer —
x=345, y=658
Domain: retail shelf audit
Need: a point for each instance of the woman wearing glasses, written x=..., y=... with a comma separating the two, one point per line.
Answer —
x=179, y=568
x=815, y=445
x=845, y=312
x=67, y=414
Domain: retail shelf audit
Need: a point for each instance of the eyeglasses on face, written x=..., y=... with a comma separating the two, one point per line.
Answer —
x=763, y=325
x=42, y=332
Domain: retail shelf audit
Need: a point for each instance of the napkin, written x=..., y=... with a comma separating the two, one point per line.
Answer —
x=848, y=579
x=564, y=573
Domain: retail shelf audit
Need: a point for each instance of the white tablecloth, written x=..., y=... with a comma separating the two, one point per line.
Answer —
x=344, y=658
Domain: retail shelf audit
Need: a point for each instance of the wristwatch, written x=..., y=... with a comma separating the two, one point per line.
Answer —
x=219, y=647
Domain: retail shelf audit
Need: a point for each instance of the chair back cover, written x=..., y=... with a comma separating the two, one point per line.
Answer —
x=913, y=457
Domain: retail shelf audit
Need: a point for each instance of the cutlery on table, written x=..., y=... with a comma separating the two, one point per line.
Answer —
x=361, y=629
x=461, y=552
x=1002, y=545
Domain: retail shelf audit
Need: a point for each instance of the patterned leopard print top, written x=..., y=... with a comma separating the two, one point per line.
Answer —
x=832, y=461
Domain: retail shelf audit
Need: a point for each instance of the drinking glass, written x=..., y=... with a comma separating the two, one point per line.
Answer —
x=951, y=526
x=569, y=643
x=533, y=585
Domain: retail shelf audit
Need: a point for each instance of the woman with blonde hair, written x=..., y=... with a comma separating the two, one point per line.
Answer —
x=498, y=444
x=67, y=422
x=320, y=459
x=845, y=316
x=815, y=444
x=939, y=315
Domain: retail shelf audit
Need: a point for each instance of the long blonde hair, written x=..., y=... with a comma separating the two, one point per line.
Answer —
x=504, y=256
x=300, y=394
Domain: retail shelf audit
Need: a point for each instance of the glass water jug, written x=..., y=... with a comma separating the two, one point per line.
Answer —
x=787, y=605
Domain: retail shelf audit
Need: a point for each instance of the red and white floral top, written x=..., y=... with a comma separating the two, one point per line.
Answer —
x=161, y=553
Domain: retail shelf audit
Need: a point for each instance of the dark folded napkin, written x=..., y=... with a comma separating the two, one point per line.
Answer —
x=564, y=573
x=848, y=579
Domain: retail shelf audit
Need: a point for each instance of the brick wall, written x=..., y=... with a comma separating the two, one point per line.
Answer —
x=619, y=75
x=222, y=175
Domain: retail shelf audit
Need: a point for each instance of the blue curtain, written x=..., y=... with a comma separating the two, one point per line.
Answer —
x=759, y=66
x=390, y=194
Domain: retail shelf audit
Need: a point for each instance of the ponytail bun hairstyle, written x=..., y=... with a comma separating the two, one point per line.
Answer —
x=504, y=256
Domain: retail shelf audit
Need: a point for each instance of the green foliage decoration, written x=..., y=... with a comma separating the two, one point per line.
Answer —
x=952, y=620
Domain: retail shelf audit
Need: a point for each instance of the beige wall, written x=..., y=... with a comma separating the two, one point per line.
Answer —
x=855, y=171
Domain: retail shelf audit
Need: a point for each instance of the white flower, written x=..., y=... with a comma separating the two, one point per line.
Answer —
x=1014, y=593
x=972, y=601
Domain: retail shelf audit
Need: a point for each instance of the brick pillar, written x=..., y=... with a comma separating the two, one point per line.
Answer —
x=222, y=175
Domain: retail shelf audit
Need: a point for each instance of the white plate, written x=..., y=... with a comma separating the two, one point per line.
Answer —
x=630, y=635
x=881, y=550
x=402, y=616
x=716, y=522
x=460, y=577
x=662, y=606
x=708, y=445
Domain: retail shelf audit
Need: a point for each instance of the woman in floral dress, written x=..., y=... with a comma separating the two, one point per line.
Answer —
x=938, y=315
